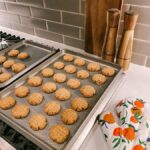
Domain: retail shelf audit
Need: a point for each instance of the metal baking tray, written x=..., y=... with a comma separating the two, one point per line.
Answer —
x=41, y=138
x=38, y=53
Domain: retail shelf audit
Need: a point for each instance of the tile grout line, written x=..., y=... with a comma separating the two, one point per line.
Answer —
x=20, y=19
x=80, y=33
x=59, y=34
x=34, y=31
x=24, y=4
x=141, y=6
x=73, y=38
x=46, y=26
x=63, y=38
x=146, y=60
x=44, y=4
x=80, y=8
x=31, y=13
x=61, y=17
x=6, y=7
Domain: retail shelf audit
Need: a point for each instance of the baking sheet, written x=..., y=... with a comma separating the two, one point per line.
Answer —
x=37, y=53
x=41, y=138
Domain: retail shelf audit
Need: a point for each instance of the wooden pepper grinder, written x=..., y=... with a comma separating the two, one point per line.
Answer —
x=125, y=48
x=109, y=47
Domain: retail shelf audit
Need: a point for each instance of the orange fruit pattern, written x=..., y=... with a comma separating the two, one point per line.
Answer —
x=139, y=104
x=133, y=119
x=109, y=118
x=138, y=147
x=129, y=134
x=136, y=111
x=118, y=132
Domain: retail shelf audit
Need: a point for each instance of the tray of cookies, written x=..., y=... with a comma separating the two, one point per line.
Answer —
x=20, y=58
x=53, y=103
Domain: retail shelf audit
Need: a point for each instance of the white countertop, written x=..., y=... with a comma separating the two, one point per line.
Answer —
x=136, y=84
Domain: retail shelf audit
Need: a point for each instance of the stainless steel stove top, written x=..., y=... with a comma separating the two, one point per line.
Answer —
x=8, y=39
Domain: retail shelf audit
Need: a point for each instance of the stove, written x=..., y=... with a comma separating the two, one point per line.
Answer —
x=15, y=139
x=10, y=135
x=7, y=40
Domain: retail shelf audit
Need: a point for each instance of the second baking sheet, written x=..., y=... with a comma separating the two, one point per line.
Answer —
x=43, y=135
x=37, y=54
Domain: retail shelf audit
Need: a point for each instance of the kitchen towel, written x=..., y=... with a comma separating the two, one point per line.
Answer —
x=129, y=129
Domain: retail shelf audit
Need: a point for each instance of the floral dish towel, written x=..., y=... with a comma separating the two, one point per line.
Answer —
x=132, y=130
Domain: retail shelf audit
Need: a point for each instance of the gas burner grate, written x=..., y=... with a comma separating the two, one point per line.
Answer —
x=8, y=39
x=15, y=138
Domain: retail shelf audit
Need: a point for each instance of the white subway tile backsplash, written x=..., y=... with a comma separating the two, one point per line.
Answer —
x=18, y=9
x=141, y=47
x=2, y=6
x=138, y=2
x=138, y=59
x=148, y=62
x=23, y=28
x=142, y=32
x=63, y=21
x=9, y=17
x=143, y=14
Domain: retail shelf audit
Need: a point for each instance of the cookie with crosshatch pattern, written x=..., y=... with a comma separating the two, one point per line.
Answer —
x=37, y=122
x=7, y=102
x=20, y=111
x=59, y=133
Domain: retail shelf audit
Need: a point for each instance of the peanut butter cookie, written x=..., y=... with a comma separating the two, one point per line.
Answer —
x=20, y=111
x=8, y=63
x=58, y=65
x=69, y=116
x=62, y=94
x=87, y=91
x=37, y=122
x=82, y=74
x=7, y=102
x=49, y=87
x=35, y=98
x=2, y=59
x=59, y=133
x=68, y=57
x=47, y=72
x=13, y=53
x=22, y=91
x=79, y=104
x=34, y=81
x=52, y=108
x=99, y=79
x=108, y=71
x=93, y=67
x=70, y=69
x=5, y=76
x=79, y=62
x=73, y=83
x=59, y=77
x=23, y=55
x=18, y=67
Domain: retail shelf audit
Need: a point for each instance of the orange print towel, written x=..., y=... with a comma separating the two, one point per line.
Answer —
x=131, y=132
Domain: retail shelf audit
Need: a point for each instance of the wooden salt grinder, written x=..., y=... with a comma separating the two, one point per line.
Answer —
x=109, y=47
x=125, y=48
